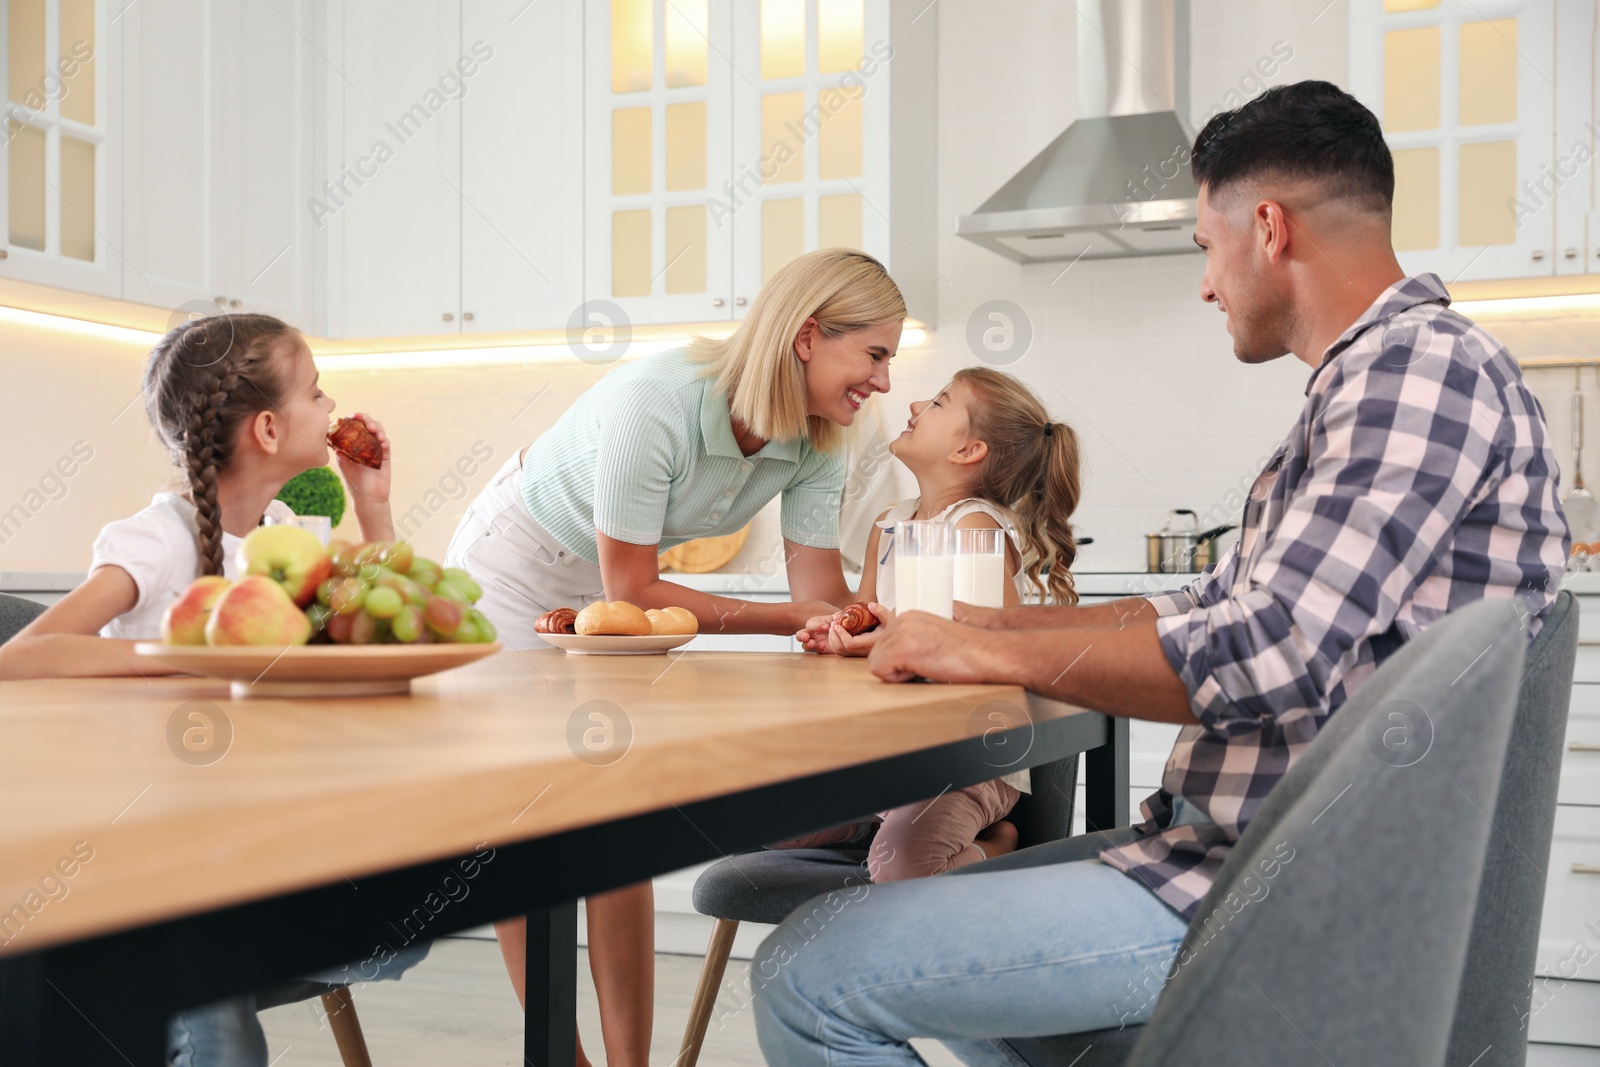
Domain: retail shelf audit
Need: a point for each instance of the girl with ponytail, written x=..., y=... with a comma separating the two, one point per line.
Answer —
x=234, y=401
x=986, y=454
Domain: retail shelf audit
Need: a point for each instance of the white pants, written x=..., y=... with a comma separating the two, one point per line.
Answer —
x=523, y=569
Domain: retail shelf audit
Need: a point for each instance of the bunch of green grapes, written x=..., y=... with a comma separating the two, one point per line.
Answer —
x=381, y=593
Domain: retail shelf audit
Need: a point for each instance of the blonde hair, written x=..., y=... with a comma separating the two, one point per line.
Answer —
x=756, y=367
x=1031, y=469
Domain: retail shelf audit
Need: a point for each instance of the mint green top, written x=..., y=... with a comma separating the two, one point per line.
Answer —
x=648, y=456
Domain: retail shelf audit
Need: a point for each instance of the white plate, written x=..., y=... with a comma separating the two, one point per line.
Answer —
x=606, y=645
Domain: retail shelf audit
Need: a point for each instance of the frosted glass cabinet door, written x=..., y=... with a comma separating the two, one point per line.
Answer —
x=1467, y=93
x=658, y=119
x=60, y=161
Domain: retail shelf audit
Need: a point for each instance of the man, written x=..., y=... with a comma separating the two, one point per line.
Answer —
x=1418, y=478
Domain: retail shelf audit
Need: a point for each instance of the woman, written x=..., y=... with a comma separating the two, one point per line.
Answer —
x=687, y=443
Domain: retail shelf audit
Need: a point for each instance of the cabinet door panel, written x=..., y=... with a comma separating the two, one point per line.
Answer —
x=388, y=196
x=172, y=130
x=520, y=194
x=267, y=170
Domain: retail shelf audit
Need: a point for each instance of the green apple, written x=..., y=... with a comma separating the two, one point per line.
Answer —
x=290, y=556
x=257, y=611
x=184, y=623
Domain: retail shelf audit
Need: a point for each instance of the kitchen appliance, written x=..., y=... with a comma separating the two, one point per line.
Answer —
x=1116, y=182
x=1182, y=547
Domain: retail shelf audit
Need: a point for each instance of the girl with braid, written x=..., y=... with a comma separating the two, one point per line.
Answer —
x=234, y=399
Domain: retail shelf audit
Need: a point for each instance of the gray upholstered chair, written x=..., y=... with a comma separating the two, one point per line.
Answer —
x=1404, y=930
x=15, y=613
x=766, y=886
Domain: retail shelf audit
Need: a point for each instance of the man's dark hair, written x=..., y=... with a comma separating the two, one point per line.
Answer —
x=1309, y=130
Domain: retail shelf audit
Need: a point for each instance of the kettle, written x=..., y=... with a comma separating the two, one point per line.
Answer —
x=1181, y=547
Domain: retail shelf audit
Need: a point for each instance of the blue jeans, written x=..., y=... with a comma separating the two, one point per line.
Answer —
x=228, y=1034
x=1046, y=940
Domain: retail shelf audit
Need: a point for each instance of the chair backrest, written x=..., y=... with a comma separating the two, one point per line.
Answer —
x=15, y=613
x=1338, y=927
x=1046, y=813
x=1496, y=988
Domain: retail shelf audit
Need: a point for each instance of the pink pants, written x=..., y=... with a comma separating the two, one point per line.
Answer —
x=925, y=838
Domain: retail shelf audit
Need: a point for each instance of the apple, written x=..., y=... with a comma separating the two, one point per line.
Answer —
x=290, y=556
x=257, y=611
x=184, y=623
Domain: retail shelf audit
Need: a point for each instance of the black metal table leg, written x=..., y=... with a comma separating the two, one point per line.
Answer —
x=1105, y=780
x=550, y=1025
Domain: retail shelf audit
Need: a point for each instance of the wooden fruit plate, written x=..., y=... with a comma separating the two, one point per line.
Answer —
x=315, y=670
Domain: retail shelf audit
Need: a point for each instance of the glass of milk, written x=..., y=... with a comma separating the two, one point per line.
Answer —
x=980, y=567
x=924, y=567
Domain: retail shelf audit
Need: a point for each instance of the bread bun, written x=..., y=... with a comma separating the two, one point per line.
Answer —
x=672, y=621
x=618, y=618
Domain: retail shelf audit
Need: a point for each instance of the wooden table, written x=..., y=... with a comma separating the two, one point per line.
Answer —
x=162, y=845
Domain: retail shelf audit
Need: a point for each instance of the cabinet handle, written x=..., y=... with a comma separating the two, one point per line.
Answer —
x=717, y=301
x=741, y=302
x=449, y=317
x=1571, y=253
x=1538, y=255
x=235, y=302
x=4, y=254
x=1582, y=746
x=220, y=301
x=466, y=316
x=1586, y=868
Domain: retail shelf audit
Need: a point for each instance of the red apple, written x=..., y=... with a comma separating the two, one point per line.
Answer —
x=290, y=556
x=184, y=623
x=256, y=611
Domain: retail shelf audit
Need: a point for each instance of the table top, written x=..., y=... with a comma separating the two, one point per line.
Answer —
x=116, y=780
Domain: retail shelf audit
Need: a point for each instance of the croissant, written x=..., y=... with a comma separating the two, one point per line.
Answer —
x=559, y=621
x=857, y=619
x=352, y=438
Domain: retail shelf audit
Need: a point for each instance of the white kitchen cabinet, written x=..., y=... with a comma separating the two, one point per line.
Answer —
x=1468, y=93
x=218, y=121
x=725, y=139
x=454, y=195
x=60, y=145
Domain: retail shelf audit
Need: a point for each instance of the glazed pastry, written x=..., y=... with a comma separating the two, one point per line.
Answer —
x=559, y=621
x=351, y=438
x=618, y=618
x=672, y=621
x=857, y=619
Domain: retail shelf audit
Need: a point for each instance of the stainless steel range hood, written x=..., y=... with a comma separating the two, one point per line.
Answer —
x=1116, y=182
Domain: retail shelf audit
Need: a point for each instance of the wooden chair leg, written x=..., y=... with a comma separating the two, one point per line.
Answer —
x=705, y=992
x=341, y=1009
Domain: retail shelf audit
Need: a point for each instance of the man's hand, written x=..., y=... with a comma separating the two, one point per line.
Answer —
x=919, y=645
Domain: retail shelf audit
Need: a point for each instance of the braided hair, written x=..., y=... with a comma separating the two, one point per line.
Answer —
x=1031, y=468
x=204, y=379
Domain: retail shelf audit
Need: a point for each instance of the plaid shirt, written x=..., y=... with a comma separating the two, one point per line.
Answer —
x=1418, y=478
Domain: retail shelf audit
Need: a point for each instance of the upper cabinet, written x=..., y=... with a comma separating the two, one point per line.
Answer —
x=726, y=138
x=1472, y=95
x=59, y=146
x=218, y=121
x=452, y=198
